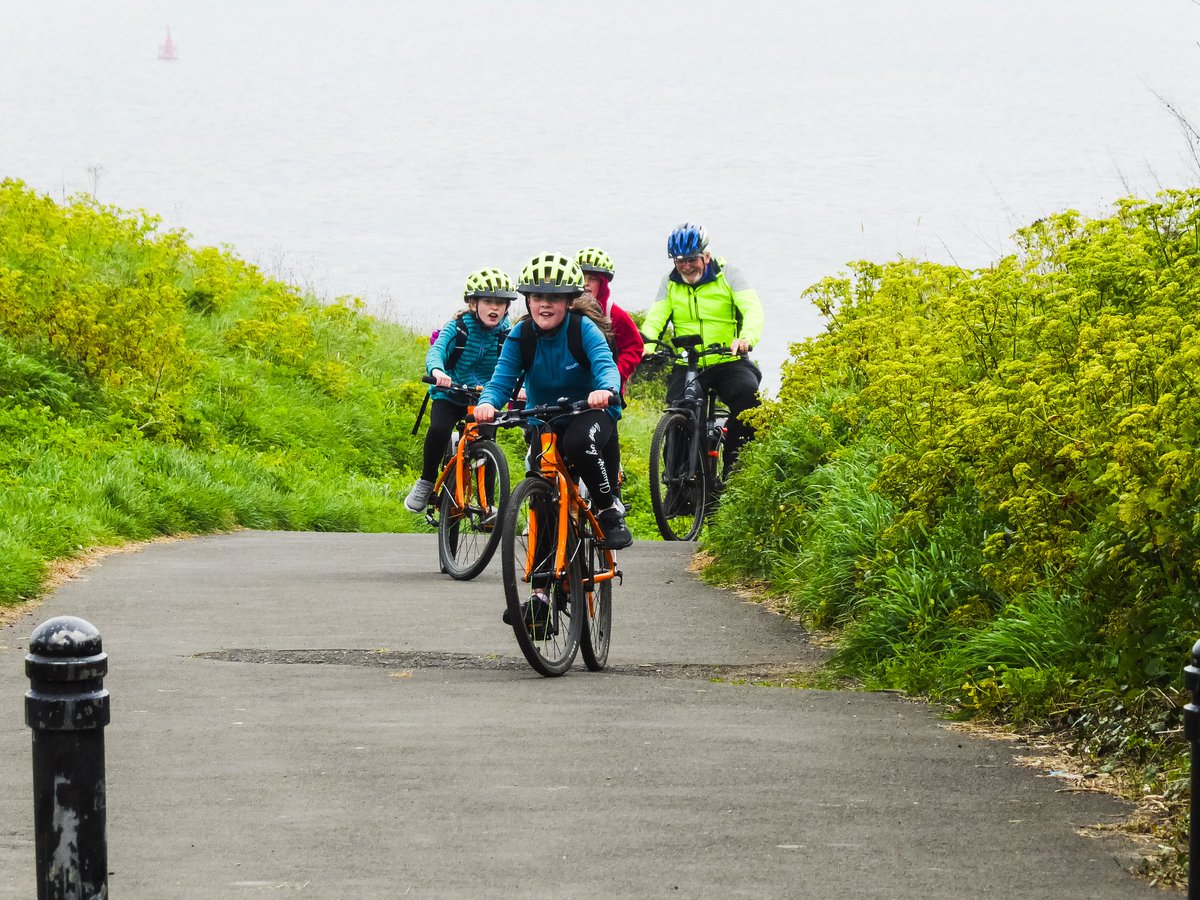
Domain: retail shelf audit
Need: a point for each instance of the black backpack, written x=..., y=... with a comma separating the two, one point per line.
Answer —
x=529, y=341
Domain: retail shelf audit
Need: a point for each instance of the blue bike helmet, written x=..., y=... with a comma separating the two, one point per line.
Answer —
x=687, y=240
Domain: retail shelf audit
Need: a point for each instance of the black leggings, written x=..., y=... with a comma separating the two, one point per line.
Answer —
x=443, y=416
x=588, y=443
x=736, y=385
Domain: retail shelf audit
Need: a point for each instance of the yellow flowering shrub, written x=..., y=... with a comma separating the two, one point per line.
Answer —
x=95, y=288
x=1059, y=389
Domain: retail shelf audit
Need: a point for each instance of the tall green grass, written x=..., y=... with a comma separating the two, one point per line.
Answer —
x=148, y=388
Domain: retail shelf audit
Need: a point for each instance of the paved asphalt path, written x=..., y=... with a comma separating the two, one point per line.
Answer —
x=323, y=715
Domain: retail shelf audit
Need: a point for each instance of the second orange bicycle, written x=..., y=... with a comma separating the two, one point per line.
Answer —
x=468, y=496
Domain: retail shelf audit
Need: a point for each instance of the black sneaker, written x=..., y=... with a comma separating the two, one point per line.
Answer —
x=538, y=619
x=616, y=534
x=536, y=613
x=488, y=522
x=678, y=502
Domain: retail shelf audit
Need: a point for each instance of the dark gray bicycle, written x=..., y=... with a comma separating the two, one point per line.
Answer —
x=685, y=453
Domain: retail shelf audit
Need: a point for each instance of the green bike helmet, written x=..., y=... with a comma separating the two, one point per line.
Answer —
x=551, y=273
x=490, y=283
x=595, y=260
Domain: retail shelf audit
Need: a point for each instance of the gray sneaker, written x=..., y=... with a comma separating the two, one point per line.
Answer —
x=418, y=497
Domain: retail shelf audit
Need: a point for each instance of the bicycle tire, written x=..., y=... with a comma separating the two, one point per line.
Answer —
x=597, y=621
x=714, y=463
x=677, y=500
x=549, y=647
x=468, y=537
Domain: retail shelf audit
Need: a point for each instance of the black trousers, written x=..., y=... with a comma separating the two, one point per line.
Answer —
x=736, y=385
x=588, y=443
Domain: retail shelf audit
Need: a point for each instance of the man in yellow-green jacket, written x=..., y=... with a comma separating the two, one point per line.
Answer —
x=703, y=296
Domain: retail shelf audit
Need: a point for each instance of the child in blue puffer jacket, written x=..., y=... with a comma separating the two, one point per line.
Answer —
x=488, y=294
x=550, y=282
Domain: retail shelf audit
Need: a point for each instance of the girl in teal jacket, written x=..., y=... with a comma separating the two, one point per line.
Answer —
x=465, y=352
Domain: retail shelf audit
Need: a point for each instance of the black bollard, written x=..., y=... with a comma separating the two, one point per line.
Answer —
x=67, y=708
x=1191, y=731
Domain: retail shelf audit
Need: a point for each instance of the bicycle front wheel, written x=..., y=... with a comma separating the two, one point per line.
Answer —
x=468, y=534
x=677, y=496
x=597, y=622
x=544, y=607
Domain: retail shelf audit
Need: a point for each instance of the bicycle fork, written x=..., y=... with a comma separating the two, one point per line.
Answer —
x=594, y=552
x=456, y=468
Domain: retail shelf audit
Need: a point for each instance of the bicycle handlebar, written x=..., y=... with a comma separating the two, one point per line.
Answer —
x=563, y=407
x=672, y=353
x=473, y=389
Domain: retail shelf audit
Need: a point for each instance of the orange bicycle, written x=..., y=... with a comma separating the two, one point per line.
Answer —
x=468, y=496
x=557, y=572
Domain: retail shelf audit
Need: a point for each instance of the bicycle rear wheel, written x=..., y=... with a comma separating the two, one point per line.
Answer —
x=597, y=623
x=545, y=609
x=714, y=463
x=677, y=497
x=468, y=535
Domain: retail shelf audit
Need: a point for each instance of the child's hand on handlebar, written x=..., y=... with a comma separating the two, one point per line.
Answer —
x=484, y=413
x=599, y=399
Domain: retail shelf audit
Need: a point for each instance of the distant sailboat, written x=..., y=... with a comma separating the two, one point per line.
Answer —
x=167, y=50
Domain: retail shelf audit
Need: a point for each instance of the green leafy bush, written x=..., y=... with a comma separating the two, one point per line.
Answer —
x=1028, y=525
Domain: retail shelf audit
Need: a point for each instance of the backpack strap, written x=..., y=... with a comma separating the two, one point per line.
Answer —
x=420, y=413
x=460, y=343
x=528, y=345
x=575, y=341
x=529, y=341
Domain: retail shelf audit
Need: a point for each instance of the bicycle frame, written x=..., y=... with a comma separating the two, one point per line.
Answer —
x=552, y=467
x=700, y=406
x=456, y=465
x=685, y=477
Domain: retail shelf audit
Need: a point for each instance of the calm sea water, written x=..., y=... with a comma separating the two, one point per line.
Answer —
x=385, y=149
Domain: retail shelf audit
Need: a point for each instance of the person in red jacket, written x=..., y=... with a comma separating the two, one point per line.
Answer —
x=627, y=344
x=597, y=273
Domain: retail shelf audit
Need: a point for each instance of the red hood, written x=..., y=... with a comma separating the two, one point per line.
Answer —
x=603, y=294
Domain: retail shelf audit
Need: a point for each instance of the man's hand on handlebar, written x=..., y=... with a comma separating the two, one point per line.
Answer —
x=441, y=379
x=484, y=413
x=739, y=346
